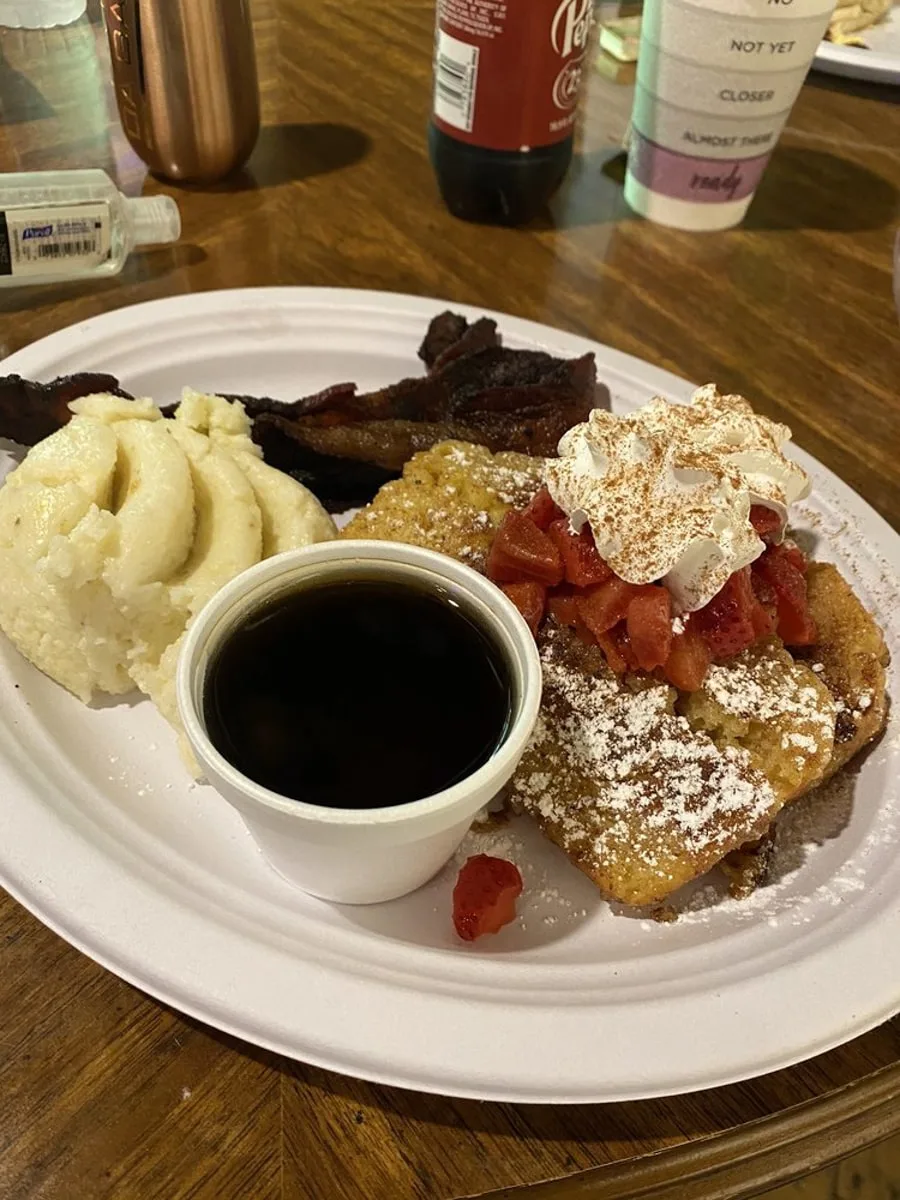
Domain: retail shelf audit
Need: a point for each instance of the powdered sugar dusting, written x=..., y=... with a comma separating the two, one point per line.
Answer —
x=512, y=485
x=623, y=784
x=741, y=691
x=767, y=688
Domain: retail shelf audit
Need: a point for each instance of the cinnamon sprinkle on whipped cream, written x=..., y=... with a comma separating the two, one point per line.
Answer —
x=667, y=490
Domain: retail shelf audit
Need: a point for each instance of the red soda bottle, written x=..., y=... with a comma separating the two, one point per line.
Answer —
x=507, y=76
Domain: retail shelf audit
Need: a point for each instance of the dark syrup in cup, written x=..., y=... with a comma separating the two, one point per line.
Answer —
x=358, y=694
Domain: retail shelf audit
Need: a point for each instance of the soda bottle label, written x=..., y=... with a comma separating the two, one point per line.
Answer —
x=507, y=73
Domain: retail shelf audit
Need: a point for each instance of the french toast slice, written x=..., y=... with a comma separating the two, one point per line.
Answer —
x=773, y=707
x=851, y=659
x=645, y=788
x=615, y=777
x=450, y=498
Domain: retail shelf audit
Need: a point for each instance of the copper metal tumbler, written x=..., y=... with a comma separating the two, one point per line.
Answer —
x=186, y=83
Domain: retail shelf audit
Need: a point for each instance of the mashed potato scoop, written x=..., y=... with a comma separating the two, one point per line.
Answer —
x=116, y=530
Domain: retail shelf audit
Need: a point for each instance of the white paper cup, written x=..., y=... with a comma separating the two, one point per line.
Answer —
x=358, y=855
x=715, y=85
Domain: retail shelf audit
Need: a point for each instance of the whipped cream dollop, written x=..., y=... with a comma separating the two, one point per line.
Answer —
x=667, y=490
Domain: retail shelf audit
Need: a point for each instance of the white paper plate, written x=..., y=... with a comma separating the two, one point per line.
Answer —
x=103, y=837
x=880, y=63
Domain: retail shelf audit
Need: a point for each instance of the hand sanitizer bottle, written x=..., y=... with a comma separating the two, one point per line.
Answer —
x=64, y=225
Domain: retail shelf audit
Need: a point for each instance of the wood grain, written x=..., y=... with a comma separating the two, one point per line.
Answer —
x=108, y=1094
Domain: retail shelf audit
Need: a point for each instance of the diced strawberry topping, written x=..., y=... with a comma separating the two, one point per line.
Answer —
x=777, y=569
x=762, y=589
x=606, y=605
x=624, y=646
x=584, y=634
x=615, y=659
x=562, y=605
x=484, y=899
x=727, y=622
x=765, y=521
x=530, y=598
x=520, y=551
x=649, y=624
x=792, y=553
x=616, y=646
x=688, y=660
x=764, y=618
x=582, y=564
x=543, y=510
x=545, y=567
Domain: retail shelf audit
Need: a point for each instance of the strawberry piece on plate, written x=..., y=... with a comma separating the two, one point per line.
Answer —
x=521, y=551
x=649, y=623
x=530, y=599
x=582, y=564
x=484, y=899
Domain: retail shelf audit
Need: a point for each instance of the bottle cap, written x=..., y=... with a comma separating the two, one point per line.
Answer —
x=155, y=220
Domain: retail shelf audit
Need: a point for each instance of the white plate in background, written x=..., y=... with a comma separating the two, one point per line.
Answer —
x=879, y=63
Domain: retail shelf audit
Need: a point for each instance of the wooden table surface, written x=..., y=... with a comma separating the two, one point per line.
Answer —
x=106, y=1093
